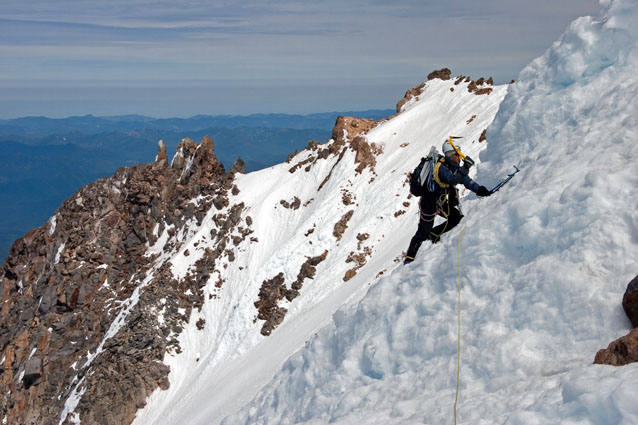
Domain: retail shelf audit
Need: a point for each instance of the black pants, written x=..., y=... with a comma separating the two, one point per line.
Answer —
x=445, y=205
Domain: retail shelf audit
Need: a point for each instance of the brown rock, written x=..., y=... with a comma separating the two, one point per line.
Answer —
x=271, y=291
x=486, y=90
x=346, y=197
x=410, y=94
x=347, y=128
x=295, y=204
x=364, y=156
x=350, y=274
x=620, y=352
x=161, y=156
x=200, y=324
x=341, y=226
x=442, y=74
x=308, y=270
x=238, y=167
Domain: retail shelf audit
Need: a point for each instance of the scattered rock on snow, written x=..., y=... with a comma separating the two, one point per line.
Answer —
x=274, y=290
x=483, y=136
x=295, y=204
x=350, y=274
x=342, y=225
x=366, y=152
x=473, y=87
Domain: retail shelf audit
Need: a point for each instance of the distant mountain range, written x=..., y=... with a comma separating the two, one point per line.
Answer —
x=46, y=160
x=88, y=124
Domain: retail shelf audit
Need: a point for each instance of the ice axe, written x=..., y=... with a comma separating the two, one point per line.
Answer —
x=468, y=162
x=508, y=178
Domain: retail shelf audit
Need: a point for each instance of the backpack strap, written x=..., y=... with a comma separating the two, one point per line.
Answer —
x=436, y=173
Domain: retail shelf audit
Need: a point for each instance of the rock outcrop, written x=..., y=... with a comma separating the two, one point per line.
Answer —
x=341, y=225
x=620, y=352
x=624, y=350
x=347, y=133
x=81, y=295
x=161, y=155
x=274, y=290
x=445, y=74
x=351, y=131
x=442, y=74
x=346, y=129
x=409, y=95
x=476, y=87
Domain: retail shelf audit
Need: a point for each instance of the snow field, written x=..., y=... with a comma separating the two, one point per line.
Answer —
x=544, y=264
x=203, y=389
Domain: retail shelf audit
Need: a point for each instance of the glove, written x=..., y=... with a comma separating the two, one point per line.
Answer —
x=468, y=162
x=482, y=191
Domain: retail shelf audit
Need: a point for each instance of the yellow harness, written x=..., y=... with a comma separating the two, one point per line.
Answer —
x=436, y=173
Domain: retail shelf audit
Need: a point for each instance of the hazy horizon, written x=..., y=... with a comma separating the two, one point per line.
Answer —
x=166, y=59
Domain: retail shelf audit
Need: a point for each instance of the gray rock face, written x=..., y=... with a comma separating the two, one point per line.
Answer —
x=32, y=372
x=64, y=283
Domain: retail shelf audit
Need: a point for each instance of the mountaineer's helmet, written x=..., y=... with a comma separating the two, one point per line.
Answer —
x=448, y=149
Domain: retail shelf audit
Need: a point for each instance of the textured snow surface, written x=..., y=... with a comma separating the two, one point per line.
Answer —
x=223, y=366
x=544, y=263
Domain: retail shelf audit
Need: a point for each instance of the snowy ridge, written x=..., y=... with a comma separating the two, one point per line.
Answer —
x=382, y=219
x=544, y=264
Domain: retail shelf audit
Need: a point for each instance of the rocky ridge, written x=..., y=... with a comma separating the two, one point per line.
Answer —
x=89, y=307
x=445, y=74
x=90, y=304
x=129, y=227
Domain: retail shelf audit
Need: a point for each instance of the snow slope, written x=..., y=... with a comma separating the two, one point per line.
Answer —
x=543, y=265
x=222, y=367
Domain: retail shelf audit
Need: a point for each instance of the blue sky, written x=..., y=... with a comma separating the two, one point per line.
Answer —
x=183, y=58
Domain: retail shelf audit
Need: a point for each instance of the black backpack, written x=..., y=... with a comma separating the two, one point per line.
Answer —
x=422, y=178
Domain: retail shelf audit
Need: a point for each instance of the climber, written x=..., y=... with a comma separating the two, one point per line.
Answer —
x=444, y=200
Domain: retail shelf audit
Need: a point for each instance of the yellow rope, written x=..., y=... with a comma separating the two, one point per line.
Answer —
x=458, y=359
